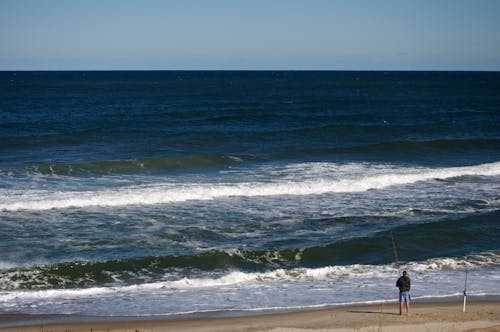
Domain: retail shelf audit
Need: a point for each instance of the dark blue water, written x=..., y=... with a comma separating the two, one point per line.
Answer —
x=206, y=191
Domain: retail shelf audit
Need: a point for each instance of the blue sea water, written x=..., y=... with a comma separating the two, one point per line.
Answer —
x=167, y=193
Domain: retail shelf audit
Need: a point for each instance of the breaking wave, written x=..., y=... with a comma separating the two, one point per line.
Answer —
x=231, y=278
x=13, y=200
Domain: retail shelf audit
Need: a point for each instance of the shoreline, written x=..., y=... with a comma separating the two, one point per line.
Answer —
x=425, y=316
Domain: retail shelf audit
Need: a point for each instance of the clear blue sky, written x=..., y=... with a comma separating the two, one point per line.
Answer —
x=250, y=34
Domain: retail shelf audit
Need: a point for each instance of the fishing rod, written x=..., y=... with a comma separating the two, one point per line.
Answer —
x=395, y=253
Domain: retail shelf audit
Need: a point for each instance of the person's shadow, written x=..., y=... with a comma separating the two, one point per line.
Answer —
x=373, y=312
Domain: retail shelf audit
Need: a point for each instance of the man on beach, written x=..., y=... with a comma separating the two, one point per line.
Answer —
x=404, y=285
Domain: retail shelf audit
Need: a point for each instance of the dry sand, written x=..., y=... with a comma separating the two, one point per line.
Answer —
x=443, y=317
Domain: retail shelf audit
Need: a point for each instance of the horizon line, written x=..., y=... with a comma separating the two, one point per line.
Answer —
x=250, y=70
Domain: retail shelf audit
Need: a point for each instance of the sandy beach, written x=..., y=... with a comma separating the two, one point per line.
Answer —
x=480, y=316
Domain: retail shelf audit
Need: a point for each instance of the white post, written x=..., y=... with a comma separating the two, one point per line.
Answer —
x=465, y=289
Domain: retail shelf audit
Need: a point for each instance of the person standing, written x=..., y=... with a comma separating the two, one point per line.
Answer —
x=404, y=285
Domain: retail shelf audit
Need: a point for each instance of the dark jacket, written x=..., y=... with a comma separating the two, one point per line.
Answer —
x=404, y=284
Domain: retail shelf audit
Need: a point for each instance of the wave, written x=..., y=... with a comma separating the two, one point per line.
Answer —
x=140, y=165
x=401, y=150
x=423, y=243
x=18, y=280
x=14, y=200
x=419, y=147
x=445, y=239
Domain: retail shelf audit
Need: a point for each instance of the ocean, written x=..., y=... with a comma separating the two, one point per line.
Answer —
x=185, y=193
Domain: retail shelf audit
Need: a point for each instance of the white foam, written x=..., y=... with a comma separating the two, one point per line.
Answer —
x=489, y=259
x=237, y=278
x=12, y=200
x=230, y=279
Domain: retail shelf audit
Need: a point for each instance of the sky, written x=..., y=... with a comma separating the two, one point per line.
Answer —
x=250, y=35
